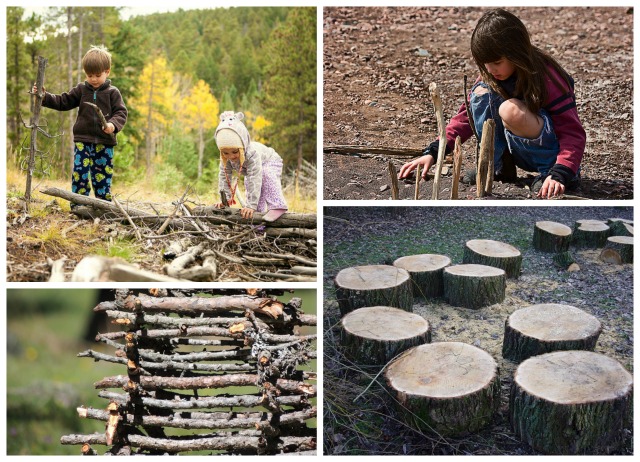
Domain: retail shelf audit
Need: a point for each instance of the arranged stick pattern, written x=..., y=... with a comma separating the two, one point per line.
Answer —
x=186, y=353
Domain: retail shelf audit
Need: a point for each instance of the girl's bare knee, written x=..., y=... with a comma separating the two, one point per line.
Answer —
x=480, y=90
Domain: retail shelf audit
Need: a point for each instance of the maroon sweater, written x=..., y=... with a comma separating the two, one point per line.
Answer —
x=87, y=128
x=561, y=105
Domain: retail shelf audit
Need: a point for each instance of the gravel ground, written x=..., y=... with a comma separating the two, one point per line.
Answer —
x=373, y=235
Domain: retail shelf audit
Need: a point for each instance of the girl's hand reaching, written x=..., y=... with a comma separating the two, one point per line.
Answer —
x=550, y=188
x=426, y=162
x=246, y=213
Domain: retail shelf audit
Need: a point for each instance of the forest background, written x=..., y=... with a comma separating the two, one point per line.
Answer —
x=177, y=72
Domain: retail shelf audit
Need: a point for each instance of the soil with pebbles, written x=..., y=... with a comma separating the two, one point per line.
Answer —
x=370, y=235
x=378, y=63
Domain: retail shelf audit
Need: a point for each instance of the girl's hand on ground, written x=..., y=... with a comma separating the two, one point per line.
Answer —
x=218, y=205
x=110, y=128
x=550, y=188
x=426, y=162
x=246, y=212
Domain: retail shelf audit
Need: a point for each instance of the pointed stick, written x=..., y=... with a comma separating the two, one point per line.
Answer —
x=457, y=164
x=417, y=193
x=437, y=103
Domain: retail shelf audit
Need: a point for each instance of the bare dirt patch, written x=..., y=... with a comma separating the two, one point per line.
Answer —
x=378, y=63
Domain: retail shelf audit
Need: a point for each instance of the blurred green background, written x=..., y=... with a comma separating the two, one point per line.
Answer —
x=46, y=382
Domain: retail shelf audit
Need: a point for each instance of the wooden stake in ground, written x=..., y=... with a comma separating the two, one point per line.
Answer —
x=539, y=329
x=549, y=236
x=484, y=173
x=590, y=234
x=448, y=387
x=426, y=273
x=418, y=177
x=373, y=285
x=493, y=253
x=33, y=124
x=395, y=194
x=571, y=402
x=474, y=286
x=457, y=165
x=376, y=334
x=618, y=250
x=442, y=132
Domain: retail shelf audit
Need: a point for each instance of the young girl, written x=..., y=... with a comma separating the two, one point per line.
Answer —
x=530, y=97
x=260, y=165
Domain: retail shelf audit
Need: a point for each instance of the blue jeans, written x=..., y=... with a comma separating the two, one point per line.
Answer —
x=533, y=155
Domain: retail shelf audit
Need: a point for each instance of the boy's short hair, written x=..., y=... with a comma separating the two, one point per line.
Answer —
x=96, y=60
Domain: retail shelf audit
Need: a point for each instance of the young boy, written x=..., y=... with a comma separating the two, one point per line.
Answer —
x=93, y=143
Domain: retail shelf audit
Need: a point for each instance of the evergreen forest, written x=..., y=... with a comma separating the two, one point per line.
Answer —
x=177, y=72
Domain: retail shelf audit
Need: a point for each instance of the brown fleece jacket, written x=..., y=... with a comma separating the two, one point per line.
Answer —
x=87, y=128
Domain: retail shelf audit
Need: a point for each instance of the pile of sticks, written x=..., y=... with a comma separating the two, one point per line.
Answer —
x=186, y=352
x=210, y=244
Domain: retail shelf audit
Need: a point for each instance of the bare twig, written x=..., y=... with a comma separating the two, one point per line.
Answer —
x=437, y=103
x=126, y=215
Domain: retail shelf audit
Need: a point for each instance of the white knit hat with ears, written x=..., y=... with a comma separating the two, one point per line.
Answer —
x=228, y=138
x=232, y=121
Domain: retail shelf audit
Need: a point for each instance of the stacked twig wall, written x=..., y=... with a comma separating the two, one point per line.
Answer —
x=223, y=366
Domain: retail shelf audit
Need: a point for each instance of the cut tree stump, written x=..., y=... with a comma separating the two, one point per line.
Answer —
x=590, y=234
x=474, y=286
x=549, y=236
x=373, y=285
x=539, y=329
x=621, y=228
x=448, y=387
x=571, y=402
x=426, y=273
x=618, y=250
x=493, y=253
x=376, y=334
x=564, y=260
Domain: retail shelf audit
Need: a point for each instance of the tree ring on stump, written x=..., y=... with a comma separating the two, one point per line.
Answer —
x=539, y=329
x=451, y=387
x=376, y=334
x=426, y=273
x=493, y=253
x=373, y=285
x=549, y=236
x=474, y=286
x=571, y=402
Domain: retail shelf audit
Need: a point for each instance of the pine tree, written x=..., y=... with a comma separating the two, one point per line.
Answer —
x=290, y=87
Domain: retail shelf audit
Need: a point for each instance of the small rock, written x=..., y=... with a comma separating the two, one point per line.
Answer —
x=424, y=121
x=573, y=268
x=383, y=188
x=476, y=343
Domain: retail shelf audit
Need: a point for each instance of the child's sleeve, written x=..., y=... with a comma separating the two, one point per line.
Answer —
x=64, y=101
x=118, y=111
x=561, y=106
x=225, y=179
x=253, y=179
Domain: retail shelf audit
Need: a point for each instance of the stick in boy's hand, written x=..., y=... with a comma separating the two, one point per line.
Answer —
x=103, y=121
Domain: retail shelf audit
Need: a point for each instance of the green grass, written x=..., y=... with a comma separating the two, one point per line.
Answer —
x=45, y=379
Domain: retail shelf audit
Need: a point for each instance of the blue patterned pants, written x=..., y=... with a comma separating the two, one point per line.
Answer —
x=95, y=162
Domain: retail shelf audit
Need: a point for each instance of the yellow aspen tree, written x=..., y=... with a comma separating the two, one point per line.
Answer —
x=199, y=113
x=155, y=103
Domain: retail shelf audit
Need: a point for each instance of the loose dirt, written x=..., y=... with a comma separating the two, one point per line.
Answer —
x=378, y=63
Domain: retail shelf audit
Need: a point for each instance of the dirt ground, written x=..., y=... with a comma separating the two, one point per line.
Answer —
x=378, y=63
x=360, y=416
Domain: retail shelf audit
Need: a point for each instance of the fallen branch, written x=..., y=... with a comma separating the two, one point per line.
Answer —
x=199, y=443
x=209, y=421
x=232, y=216
x=96, y=268
x=383, y=151
x=126, y=215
